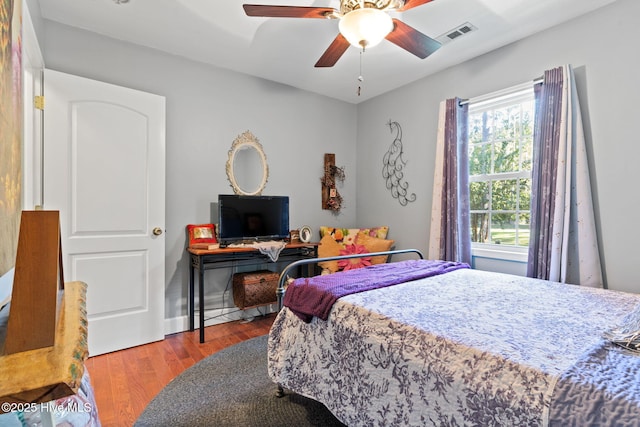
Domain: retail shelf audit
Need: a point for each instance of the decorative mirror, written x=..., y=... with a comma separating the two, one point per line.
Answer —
x=247, y=168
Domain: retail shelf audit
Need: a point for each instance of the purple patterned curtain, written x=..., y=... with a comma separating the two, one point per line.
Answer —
x=563, y=243
x=450, y=229
x=546, y=137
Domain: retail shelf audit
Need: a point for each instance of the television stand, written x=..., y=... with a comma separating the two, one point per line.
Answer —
x=235, y=256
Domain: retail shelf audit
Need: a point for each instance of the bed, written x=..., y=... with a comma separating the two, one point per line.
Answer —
x=456, y=347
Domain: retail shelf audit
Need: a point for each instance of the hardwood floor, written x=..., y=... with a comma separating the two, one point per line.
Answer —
x=125, y=381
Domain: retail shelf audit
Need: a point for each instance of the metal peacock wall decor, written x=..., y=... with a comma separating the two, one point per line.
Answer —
x=392, y=165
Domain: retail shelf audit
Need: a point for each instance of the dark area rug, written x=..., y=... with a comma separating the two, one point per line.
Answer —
x=232, y=388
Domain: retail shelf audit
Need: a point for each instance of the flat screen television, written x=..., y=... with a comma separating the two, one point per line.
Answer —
x=252, y=218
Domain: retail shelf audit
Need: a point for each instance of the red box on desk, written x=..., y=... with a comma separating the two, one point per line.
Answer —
x=255, y=288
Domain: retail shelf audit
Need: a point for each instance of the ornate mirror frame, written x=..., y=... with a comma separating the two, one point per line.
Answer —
x=247, y=141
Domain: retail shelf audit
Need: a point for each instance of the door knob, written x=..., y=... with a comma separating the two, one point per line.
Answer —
x=157, y=231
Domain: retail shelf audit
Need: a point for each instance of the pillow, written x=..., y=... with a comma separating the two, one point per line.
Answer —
x=337, y=239
x=201, y=233
x=374, y=244
x=379, y=232
x=347, y=236
x=329, y=247
x=353, y=263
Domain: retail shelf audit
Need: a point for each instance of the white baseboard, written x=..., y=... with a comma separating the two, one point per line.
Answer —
x=215, y=317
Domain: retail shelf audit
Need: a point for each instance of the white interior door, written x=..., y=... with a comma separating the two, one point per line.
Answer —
x=104, y=170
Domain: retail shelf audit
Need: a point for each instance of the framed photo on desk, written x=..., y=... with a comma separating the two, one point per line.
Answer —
x=305, y=234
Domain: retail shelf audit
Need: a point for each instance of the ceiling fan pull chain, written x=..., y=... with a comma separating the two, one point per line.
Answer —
x=360, y=78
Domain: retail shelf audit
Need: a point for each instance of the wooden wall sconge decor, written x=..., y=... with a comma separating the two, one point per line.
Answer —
x=331, y=198
x=37, y=285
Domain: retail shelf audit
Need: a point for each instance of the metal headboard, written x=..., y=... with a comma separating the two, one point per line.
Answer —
x=283, y=276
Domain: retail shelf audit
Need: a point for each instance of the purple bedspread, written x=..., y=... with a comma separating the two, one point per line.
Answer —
x=315, y=296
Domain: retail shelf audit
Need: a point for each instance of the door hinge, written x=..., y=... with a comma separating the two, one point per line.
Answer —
x=38, y=102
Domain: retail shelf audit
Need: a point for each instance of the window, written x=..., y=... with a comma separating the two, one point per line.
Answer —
x=500, y=154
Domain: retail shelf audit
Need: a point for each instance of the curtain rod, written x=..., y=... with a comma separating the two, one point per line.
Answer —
x=501, y=92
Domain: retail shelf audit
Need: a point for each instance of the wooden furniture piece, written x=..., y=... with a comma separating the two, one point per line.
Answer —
x=49, y=373
x=45, y=345
x=37, y=283
x=203, y=260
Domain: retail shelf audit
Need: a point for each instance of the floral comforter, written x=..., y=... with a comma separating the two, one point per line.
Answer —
x=464, y=348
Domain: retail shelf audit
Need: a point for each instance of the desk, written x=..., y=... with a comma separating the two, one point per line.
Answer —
x=202, y=260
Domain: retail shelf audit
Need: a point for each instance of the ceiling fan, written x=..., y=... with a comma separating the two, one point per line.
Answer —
x=363, y=23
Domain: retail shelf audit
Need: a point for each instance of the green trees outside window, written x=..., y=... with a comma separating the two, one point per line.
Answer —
x=500, y=155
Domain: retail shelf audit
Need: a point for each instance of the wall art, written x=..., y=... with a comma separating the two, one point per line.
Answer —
x=392, y=167
x=331, y=198
x=11, y=134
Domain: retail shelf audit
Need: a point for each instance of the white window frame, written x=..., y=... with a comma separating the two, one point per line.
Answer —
x=495, y=100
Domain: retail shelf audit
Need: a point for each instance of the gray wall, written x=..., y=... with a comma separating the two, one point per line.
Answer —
x=601, y=47
x=207, y=108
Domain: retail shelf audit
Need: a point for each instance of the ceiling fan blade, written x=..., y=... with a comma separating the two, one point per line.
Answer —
x=410, y=4
x=287, y=11
x=412, y=40
x=333, y=52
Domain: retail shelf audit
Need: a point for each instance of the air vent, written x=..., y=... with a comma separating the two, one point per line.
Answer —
x=456, y=33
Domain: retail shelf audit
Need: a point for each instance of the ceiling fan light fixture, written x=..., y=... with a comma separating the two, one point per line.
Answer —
x=365, y=27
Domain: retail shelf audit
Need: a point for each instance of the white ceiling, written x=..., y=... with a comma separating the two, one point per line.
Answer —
x=285, y=49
